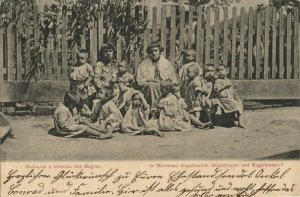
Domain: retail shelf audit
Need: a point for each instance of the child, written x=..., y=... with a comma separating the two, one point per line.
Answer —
x=189, y=59
x=81, y=75
x=123, y=73
x=182, y=105
x=169, y=110
x=106, y=70
x=229, y=101
x=136, y=119
x=69, y=125
x=194, y=89
x=123, y=99
x=105, y=111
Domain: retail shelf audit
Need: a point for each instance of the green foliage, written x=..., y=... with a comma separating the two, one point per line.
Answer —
x=213, y=3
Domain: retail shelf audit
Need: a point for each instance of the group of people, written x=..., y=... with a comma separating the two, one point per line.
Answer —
x=106, y=98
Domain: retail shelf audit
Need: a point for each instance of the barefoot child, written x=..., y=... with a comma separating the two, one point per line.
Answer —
x=182, y=105
x=136, y=118
x=229, y=101
x=81, y=75
x=105, y=110
x=169, y=110
x=193, y=95
x=67, y=124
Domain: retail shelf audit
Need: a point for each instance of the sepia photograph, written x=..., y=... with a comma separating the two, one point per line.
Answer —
x=145, y=80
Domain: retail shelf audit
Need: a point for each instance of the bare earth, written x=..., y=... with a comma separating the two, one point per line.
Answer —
x=270, y=132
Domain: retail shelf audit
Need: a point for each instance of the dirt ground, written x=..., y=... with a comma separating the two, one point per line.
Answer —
x=271, y=133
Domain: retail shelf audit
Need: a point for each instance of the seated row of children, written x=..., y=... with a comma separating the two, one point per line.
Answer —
x=102, y=100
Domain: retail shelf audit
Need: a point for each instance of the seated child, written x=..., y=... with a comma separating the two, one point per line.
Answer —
x=136, y=118
x=169, y=110
x=182, y=105
x=228, y=99
x=105, y=110
x=189, y=59
x=194, y=87
x=69, y=125
x=81, y=75
x=124, y=96
x=123, y=73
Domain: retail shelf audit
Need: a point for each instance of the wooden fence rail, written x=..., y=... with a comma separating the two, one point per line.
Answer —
x=254, y=45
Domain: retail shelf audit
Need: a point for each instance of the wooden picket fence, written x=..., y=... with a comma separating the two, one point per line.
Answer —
x=260, y=44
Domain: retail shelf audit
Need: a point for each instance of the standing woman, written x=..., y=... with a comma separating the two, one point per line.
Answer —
x=152, y=70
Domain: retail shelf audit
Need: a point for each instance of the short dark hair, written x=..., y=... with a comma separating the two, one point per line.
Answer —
x=109, y=92
x=82, y=51
x=103, y=48
x=168, y=84
x=153, y=44
x=208, y=65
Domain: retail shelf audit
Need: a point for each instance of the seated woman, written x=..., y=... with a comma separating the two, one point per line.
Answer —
x=152, y=71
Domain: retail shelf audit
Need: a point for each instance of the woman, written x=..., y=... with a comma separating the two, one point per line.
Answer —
x=152, y=71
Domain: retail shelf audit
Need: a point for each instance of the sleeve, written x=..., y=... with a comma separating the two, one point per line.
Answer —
x=140, y=78
x=61, y=118
x=217, y=86
x=90, y=70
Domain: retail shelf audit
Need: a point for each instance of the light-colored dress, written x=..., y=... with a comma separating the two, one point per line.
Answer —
x=65, y=122
x=229, y=101
x=79, y=74
x=122, y=97
x=136, y=118
x=148, y=70
x=170, y=118
x=104, y=73
x=107, y=114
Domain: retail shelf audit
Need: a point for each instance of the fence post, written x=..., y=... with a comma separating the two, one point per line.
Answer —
x=242, y=43
x=199, y=40
x=216, y=37
x=281, y=43
x=173, y=34
x=93, y=42
x=274, y=43
x=74, y=47
x=191, y=31
x=10, y=50
x=19, y=49
x=163, y=29
x=146, y=31
x=266, y=43
x=207, y=37
x=64, y=47
x=250, y=44
x=181, y=29
x=258, y=42
x=56, y=68
x=225, y=38
x=296, y=44
x=100, y=31
x=233, y=44
x=288, y=46
x=1, y=54
x=154, y=24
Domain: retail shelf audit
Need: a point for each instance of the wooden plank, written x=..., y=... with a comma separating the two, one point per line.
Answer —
x=173, y=34
x=288, y=46
x=64, y=43
x=200, y=38
x=281, y=43
x=233, y=44
x=48, y=70
x=225, y=37
x=75, y=46
x=36, y=36
x=56, y=69
x=242, y=43
x=163, y=30
x=27, y=44
x=10, y=50
x=191, y=30
x=154, y=24
x=216, y=36
x=93, y=42
x=207, y=37
x=1, y=54
x=258, y=44
x=250, y=44
x=83, y=39
x=182, y=29
x=146, y=31
x=266, y=43
x=296, y=44
x=100, y=31
x=119, y=48
x=274, y=44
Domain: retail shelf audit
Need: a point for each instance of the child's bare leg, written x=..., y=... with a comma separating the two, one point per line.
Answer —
x=197, y=115
x=240, y=124
x=94, y=132
x=195, y=121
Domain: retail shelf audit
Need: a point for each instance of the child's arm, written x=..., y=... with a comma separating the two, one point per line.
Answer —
x=88, y=81
x=145, y=104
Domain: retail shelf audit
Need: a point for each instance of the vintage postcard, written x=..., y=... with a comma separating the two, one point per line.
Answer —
x=178, y=98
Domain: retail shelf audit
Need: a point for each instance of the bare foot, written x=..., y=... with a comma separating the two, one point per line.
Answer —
x=105, y=136
x=241, y=125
